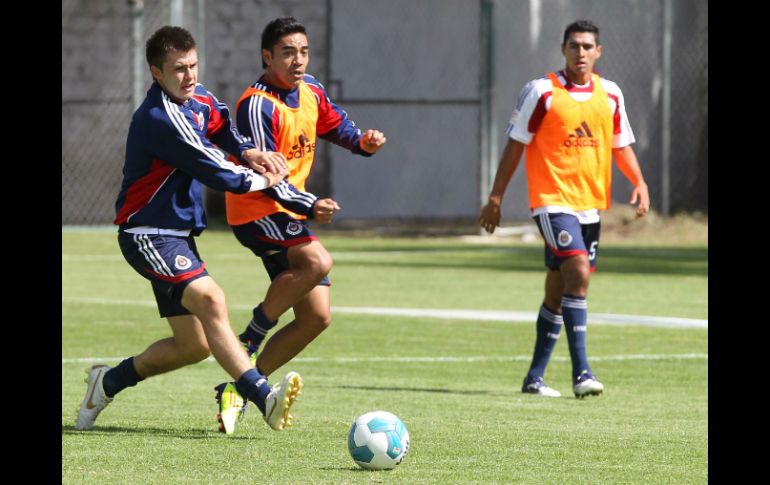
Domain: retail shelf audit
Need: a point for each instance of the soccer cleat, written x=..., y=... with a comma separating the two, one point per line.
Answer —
x=231, y=407
x=251, y=350
x=95, y=400
x=586, y=384
x=536, y=385
x=280, y=399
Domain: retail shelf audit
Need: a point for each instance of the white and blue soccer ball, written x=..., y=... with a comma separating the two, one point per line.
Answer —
x=378, y=440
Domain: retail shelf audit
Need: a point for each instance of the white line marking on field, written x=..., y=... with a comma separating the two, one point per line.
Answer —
x=436, y=360
x=478, y=315
x=513, y=316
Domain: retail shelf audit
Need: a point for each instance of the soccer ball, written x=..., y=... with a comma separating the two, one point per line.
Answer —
x=378, y=440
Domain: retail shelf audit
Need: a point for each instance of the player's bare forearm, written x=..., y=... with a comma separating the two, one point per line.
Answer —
x=505, y=170
x=490, y=213
x=626, y=160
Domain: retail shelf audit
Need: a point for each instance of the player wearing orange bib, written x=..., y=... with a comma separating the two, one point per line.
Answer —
x=283, y=114
x=570, y=124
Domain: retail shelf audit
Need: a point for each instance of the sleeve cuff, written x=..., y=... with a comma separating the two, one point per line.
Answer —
x=360, y=151
x=258, y=182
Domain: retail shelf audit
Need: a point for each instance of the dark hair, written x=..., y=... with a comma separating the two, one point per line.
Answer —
x=278, y=28
x=165, y=40
x=581, y=26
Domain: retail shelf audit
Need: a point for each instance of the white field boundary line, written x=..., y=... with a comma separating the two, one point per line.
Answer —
x=436, y=360
x=513, y=316
x=483, y=315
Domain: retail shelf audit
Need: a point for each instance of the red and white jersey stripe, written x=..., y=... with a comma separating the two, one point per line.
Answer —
x=535, y=100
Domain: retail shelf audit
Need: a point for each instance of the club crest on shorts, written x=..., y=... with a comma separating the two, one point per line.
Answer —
x=293, y=228
x=181, y=262
x=564, y=238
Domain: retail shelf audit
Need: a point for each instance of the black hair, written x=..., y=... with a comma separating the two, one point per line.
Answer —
x=581, y=26
x=278, y=28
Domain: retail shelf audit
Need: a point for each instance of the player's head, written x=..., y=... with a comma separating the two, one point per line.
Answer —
x=581, y=26
x=173, y=59
x=285, y=51
x=581, y=49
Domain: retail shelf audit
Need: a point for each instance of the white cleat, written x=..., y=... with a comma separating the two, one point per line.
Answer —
x=279, y=401
x=586, y=384
x=95, y=400
x=536, y=385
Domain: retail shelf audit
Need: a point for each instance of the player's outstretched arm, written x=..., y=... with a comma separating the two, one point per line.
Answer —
x=626, y=160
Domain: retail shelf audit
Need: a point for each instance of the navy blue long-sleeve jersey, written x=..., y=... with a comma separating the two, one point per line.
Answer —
x=171, y=149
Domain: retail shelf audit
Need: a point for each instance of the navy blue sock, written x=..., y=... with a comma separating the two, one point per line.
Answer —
x=120, y=377
x=253, y=386
x=548, y=329
x=257, y=328
x=575, y=312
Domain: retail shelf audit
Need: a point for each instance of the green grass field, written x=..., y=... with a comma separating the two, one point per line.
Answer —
x=455, y=383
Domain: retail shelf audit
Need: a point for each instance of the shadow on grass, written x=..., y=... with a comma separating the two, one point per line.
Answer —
x=612, y=259
x=191, y=434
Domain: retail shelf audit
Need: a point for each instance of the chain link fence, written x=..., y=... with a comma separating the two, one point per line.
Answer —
x=97, y=105
x=421, y=71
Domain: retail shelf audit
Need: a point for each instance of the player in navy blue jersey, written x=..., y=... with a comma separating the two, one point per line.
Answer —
x=174, y=145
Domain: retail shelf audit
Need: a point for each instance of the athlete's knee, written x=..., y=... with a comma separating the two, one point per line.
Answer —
x=582, y=275
x=204, y=298
x=213, y=299
x=321, y=262
x=576, y=272
x=315, y=261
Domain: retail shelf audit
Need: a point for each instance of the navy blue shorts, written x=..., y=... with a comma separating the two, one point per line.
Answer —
x=565, y=236
x=271, y=237
x=169, y=262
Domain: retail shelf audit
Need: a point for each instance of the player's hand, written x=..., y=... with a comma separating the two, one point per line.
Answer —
x=261, y=162
x=489, y=218
x=324, y=210
x=372, y=140
x=273, y=178
x=642, y=195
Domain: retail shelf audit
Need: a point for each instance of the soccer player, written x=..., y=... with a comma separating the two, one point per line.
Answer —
x=173, y=146
x=284, y=113
x=570, y=124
